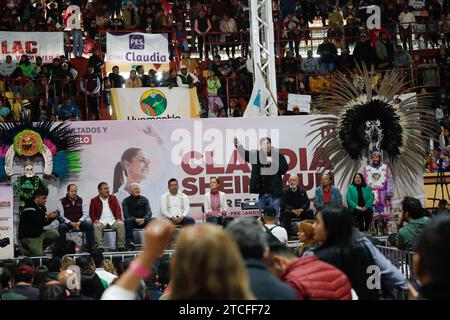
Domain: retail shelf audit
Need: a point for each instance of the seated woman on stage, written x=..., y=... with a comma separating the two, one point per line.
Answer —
x=360, y=201
x=215, y=203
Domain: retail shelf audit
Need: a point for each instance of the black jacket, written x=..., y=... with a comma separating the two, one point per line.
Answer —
x=295, y=200
x=279, y=160
x=353, y=260
x=364, y=53
x=116, y=80
x=32, y=220
x=264, y=285
x=136, y=207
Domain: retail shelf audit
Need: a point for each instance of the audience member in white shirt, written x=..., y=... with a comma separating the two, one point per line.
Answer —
x=269, y=215
x=175, y=205
x=7, y=67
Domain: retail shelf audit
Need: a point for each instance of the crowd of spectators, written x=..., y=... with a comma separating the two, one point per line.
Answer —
x=240, y=262
x=213, y=29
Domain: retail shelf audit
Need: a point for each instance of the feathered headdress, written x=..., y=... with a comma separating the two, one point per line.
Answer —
x=58, y=146
x=363, y=121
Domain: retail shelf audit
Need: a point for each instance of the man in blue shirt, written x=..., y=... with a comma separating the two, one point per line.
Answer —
x=68, y=111
x=5, y=112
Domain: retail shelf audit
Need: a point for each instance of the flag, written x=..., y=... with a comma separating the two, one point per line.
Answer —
x=258, y=99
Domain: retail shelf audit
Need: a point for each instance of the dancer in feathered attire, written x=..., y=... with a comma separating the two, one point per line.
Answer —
x=362, y=122
x=56, y=143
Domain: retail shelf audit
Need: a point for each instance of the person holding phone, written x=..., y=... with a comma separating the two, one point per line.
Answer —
x=175, y=205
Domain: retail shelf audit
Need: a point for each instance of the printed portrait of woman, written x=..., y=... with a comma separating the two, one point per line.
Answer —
x=135, y=166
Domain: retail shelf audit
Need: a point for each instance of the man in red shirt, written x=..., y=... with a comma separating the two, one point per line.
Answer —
x=326, y=194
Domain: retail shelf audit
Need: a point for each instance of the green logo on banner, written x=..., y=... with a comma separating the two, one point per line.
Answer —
x=153, y=102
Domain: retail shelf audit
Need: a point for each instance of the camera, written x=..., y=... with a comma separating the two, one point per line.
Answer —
x=59, y=217
x=4, y=242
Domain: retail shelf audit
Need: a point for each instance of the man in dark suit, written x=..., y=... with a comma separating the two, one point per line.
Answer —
x=268, y=165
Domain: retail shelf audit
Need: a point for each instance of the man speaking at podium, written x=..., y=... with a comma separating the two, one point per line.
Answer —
x=268, y=166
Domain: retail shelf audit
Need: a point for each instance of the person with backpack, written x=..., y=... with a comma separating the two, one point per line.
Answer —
x=274, y=233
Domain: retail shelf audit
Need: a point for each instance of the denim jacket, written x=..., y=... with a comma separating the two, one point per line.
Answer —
x=335, y=195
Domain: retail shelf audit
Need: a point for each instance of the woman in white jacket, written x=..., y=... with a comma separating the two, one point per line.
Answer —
x=215, y=202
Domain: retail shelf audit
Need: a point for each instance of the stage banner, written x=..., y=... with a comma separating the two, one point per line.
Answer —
x=47, y=45
x=128, y=50
x=6, y=222
x=192, y=151
x=154, y=103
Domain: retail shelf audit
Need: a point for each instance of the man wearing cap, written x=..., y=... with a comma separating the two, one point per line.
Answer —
x=379, y=177
x=24, y=279
x=34, y=217
x=25, y=111
x=185, y=79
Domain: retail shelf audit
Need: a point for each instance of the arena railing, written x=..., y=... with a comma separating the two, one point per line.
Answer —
x=403, y=261
x=124, y=256
x=57, y=89
x=312, y=36
x=400, y=259
x=37, y=261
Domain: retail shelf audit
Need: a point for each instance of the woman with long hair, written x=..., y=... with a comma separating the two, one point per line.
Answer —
x=360, y=200
x=206, y=265
x=91, y=285
x=306, y=237
x=40, y=277
x=340, y=247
